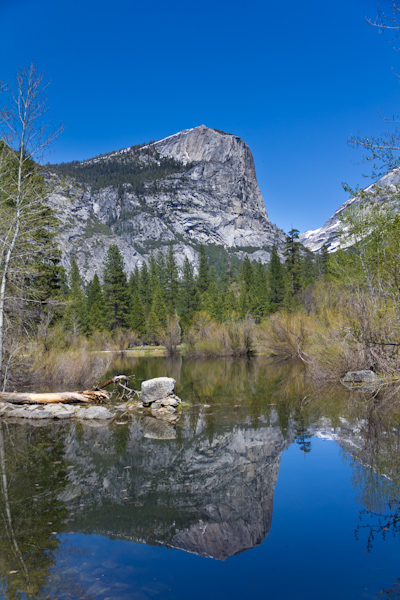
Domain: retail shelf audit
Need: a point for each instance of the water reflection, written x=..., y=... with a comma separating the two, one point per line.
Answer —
x=207, y=494
x=374, y=456
x=205, y=486
x=33, y=475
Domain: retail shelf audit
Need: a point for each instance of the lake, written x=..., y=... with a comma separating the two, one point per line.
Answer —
x=266, y=487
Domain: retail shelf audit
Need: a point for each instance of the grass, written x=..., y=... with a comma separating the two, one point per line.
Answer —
x=151, y=350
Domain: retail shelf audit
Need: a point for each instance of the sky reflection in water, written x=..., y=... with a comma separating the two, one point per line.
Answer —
x=100, y=512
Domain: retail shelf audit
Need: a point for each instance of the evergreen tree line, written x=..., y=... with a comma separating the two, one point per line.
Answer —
x=160, y=290
x=140, y=166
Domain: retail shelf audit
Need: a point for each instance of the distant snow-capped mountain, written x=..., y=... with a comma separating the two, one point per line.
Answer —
x=328, y=233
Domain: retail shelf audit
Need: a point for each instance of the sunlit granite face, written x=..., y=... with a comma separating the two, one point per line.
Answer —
x=212, y=198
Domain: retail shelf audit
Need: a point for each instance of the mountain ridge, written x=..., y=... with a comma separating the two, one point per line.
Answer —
x=328, y=234
x=197, y=186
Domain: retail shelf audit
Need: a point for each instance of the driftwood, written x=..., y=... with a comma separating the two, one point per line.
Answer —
x=96, y=394
x=116, y=379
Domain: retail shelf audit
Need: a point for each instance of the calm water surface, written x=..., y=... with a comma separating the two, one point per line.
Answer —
x=264, y=489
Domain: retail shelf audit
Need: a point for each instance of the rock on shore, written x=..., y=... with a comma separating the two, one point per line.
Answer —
x=158, y=396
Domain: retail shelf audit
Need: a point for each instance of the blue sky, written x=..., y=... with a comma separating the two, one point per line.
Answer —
x=293, y=79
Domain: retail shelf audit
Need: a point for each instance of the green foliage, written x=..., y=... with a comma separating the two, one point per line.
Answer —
x=153, y=280
x=159, y=292
x=153, y=328
x=29, y=273
x=211, y=302
x=115, y=289
x=246, y=275
x=94, y=227
x=370, y=246
x=225, y=263
x=137, y=316
x=308, y=269
x=276, y=282
x=260, y=291
x=158, y=306
x=292, y=253
x=75, y=313
x=34, y=476
x=324, y=261
x=203, y=277
x=95, y=305
x=144, y=285
x=189, y=298
x=171, y=280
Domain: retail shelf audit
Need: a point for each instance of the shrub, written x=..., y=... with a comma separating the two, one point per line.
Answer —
x=171, y=336
x=205, y=337
x=286, y=335
x=73, y=367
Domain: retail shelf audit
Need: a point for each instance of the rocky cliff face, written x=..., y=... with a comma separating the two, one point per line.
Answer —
x=328, y=233
x=197, y=187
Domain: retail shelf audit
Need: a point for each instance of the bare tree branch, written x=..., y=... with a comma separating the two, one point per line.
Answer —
x=24, y=135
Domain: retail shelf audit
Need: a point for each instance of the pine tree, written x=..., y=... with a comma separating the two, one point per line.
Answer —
x=276, y=282
x=161, y=267
x=75, y=312
x=154, y=280
x=203, y=277
x=292, y=253
x=116, y=293
x=137, y=316
x=230, y=303
x=211, y=301
x=158, y=306
x=188, y=292
x=308, y=269
x=246, y=275
x=260, y=291
x=95, y=306
x=133, y=282
x=324, y=259
x=172, y=280
x=144, y=285
x=245, y=301
x=153, y=328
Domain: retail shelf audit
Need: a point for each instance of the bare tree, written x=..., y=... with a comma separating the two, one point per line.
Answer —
x=24, y=135
x=171, y=336
x=388, y=21
x=383, y=150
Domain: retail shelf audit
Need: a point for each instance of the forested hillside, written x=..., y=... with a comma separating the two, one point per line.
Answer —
x=159, y=292
x=128, y=170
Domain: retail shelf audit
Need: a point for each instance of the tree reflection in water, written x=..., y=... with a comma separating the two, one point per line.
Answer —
x=375, y=461
x=33, y=472
x=209, y=490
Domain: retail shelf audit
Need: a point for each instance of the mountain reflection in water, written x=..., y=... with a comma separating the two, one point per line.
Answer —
x=213, y=499
x=207, y=490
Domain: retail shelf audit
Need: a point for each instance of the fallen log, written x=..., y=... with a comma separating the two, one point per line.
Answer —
x=96, y=394
x=65, y=397
x=54, y=398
